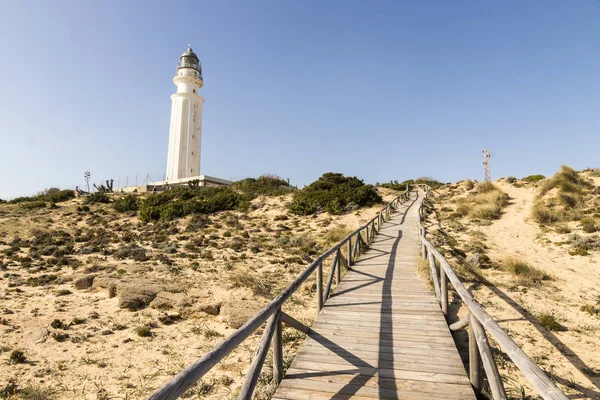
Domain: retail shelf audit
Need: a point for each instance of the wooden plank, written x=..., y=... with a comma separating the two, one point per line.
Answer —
x=403, y=387
x=383, y=372
x=449, y=353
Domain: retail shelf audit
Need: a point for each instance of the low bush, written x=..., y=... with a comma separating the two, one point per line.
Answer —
x=184, y=201
x=52, y=195
x=97, y=197
x=549, y=322
x=401, y=186
x=542, y=214
x=511, y=179
x=335, y=194
x=127, y=203
x=131, y=252
x=265, y=185
x=526, y=274
x=33, y=204
x=588, y=225
x=17, y=357
x=534, y=178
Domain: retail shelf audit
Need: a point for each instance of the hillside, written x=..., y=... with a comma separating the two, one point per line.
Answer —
x=96, y=303
x=533, y=278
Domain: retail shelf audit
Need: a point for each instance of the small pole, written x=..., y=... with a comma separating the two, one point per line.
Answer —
x=319, y=287
x=474, y=361
x=338, y=268
x=444, y=290
x=278, y=349
x=350, y=261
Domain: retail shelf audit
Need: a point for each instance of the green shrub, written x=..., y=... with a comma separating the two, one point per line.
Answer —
x=55, y=195
x=42, y=280
x=511, y=179
x=97, y=197
x=549, y=322
x=17, y=357
x=132, y=252
x=52, y=195
x=127, y=203
x=335, y=194
x=33, y=204
x=184, y=201
x=534, y=178
x=401, y=186
x=265, y=185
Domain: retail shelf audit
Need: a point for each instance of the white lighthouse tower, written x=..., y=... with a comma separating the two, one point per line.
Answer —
x=186, y=120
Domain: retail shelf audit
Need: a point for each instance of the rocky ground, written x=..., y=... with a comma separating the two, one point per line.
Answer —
x=97, y=305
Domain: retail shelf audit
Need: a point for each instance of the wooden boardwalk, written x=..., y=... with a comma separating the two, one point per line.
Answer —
x=382, y=335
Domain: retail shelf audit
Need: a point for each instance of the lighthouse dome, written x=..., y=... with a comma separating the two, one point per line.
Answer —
x=189, y=59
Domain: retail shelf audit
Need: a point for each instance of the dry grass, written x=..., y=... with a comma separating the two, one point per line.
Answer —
x=543, y=215
x=488, y=204
x=525, y=274
x=244, y=278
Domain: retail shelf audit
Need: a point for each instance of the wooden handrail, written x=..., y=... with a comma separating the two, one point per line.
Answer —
x=191, y=374
x=481, y=321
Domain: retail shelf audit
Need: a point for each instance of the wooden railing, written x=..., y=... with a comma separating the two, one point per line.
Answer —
x=478, y=322
x=274, y=316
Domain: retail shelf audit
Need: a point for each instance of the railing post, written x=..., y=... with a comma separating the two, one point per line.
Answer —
x=319, y=287
x=350, y=259
x=278, y=349
x=444, y=290
x=338, y=268
x=474, y=361
x=373, y=231
x=367, y=234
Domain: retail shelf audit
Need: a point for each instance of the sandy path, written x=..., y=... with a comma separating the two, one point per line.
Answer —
x=570, y=356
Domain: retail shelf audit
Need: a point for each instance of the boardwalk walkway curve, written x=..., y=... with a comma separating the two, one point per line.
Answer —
x=383, y=333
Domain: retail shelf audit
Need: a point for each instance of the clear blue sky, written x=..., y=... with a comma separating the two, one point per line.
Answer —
x=381, y=90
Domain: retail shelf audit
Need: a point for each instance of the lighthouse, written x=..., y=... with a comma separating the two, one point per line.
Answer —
x=186, y=119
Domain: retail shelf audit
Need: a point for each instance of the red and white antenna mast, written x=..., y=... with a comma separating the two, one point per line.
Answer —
x=487, y=176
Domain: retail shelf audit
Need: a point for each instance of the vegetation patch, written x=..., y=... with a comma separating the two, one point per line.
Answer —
x=401, y=186
x=184, y=201
x=526, y=274
x=265, y=185
x=486, y=204
x=549, y=322
x=562, y=198
x=335, y=194
x=534, y=178
x=127, y=203
x=52, y=195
